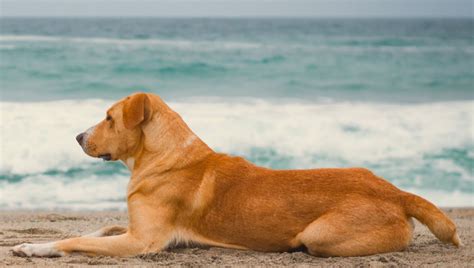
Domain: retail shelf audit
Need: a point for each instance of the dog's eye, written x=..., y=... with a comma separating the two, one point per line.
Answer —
x=108, y=118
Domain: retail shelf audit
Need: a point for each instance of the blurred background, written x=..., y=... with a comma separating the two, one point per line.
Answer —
x=386, y=85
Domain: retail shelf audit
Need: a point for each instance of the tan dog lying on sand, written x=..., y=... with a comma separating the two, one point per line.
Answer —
x=181, y=191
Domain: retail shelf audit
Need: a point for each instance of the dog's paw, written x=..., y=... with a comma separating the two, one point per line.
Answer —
x=23, y=250
x=36, y=250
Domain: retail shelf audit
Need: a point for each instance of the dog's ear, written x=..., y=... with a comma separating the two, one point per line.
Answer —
x=136, y=110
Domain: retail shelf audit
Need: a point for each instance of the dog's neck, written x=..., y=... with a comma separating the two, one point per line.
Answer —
x=167, y=146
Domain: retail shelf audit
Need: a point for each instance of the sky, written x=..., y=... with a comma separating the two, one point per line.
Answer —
x=237, y=8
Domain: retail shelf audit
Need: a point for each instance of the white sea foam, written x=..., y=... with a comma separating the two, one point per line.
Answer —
x=182, y=44
x=205, y=45
x=37, y=137
x=355, y=132
x=445, y=199
x=40, y=136
x=7, y=47
x=45, y=192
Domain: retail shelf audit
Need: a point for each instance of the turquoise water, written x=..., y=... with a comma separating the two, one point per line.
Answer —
x=392, y=95
x=397, y=60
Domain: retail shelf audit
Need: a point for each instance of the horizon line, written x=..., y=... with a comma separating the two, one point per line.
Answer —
x=231, y=17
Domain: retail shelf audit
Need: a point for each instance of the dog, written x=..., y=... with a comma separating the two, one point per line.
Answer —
x=181, y=192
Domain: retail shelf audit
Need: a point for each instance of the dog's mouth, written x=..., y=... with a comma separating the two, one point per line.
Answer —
x=106, y=157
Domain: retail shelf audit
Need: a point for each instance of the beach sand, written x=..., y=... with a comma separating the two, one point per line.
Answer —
x=37, y=227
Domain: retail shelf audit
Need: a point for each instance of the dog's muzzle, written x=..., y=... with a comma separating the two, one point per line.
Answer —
x=81, y=139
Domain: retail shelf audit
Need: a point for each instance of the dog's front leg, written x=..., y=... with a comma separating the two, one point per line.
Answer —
x=120, y=245
x=107, y=231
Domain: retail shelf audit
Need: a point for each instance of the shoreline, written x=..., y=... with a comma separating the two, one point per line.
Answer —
x=26, y=226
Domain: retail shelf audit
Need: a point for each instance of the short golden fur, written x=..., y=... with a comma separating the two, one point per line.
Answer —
x=181, y=191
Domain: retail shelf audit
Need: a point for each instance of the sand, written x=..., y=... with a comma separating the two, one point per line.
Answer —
x=19, y=227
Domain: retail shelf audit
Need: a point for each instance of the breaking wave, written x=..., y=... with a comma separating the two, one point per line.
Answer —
x=424, y=148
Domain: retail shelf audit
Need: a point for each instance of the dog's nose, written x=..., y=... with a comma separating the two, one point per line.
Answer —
x=80, y=138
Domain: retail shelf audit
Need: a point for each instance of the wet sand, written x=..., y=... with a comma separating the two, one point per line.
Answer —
x=35, y=227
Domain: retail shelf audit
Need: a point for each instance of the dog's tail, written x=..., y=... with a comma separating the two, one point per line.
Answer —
x=428, y=214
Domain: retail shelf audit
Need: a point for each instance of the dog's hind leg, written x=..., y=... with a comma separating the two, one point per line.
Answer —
x=107, y=231
x=357, y=232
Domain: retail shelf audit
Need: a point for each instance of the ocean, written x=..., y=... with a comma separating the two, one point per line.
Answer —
x=392, y=95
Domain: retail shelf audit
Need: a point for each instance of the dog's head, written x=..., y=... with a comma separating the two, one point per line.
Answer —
x=119, y=133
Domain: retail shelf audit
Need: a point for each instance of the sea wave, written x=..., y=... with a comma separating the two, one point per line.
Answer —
x=39, y=136
x=355, y=45
x=106, y=193
x=7, y=47
x=424, y=146
x=357, y=131
x=50, y=192
x=176, y=43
